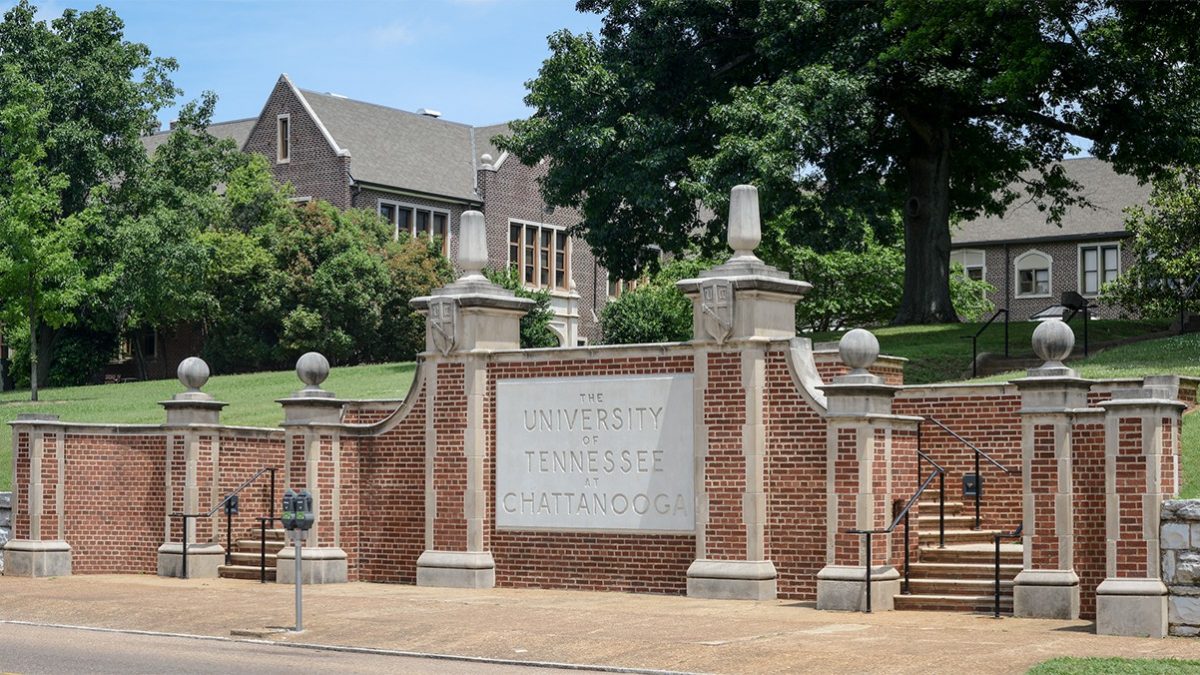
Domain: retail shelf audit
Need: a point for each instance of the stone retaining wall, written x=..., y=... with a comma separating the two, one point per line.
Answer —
x=1181, y=564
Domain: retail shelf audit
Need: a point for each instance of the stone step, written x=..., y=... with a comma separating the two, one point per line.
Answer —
x=928, y=521
x=972, y=554
x=252, y=545
x=929, y=505
x=953, y=603
x=968, y=587
x=244, y=572
x=251, y=558
x=928, y=570
x=959, y=536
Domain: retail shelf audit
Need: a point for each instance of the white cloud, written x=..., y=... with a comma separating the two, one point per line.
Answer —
x=393, y=34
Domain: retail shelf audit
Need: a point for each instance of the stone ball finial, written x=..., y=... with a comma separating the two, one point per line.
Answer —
x=472, y=244
x=1053, y=341
x=312, y=369
x=485, y=159
x=745, y=228
x=192, y=373
x=859, y=348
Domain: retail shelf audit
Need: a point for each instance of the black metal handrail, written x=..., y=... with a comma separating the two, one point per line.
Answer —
x=228, y=517
x=997, y=537
x=975, y=340
x=921, y=456
x=978, y=454
x=902, y=516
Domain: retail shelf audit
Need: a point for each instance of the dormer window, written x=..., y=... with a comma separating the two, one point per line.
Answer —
x=283, y=139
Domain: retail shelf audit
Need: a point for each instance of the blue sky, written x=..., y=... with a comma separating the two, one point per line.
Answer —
x=469, y=59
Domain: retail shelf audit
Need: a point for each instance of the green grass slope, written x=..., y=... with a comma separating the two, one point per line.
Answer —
x=251, y=399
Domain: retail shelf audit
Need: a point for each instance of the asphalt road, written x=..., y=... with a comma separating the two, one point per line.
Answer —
x=37, y=649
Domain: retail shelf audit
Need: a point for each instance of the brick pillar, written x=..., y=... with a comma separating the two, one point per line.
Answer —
x=312, y=461
x=858, y=482
x=1141, y=453
x=738, y=309
x=1051, y=397
x=193, y=449
x=465, y=321
x=38, y=548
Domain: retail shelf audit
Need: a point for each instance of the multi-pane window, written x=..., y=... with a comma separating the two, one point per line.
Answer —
x=541, y=255
x=972, y=261
x=618, y=287
x=1033, y=274
x=1098, y=265
x=417, y=221
x=283, y=139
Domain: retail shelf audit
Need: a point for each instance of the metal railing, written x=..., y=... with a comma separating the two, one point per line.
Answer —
x=979, y=454
x=997, y=537
x=188, y=517
x=975, y=340
x=936, y=472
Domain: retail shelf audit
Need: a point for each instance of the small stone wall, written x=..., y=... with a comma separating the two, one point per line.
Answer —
x=1181, y=564
x=5, y=522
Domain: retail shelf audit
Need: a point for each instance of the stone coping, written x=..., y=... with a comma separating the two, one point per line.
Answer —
x=827, y=351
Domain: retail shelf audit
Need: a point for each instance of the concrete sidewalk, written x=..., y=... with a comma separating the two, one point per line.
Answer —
x=611, y=629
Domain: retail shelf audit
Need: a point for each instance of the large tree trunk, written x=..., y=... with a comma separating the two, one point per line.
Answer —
x=927, y=231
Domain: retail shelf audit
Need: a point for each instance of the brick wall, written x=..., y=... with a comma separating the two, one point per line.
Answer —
x=1087, y=462
x=314, y=169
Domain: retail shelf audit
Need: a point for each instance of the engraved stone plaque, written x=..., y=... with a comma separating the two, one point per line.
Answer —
x=595, y=453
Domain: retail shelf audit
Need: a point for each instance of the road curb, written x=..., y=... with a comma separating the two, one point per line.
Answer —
x=357, y=650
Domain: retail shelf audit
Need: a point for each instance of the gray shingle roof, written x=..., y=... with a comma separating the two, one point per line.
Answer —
x=1109, y=191
x=404, y=150
x=238, y=130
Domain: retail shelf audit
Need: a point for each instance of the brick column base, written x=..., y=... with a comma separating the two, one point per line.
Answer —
x=844, y=587
x=732, y=579
x=25, y=558
x=1136, y=607
x=1046, y=594
x=456, y=569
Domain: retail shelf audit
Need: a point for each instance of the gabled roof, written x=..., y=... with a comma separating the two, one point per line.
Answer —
x=238, y=130
x=405, y=150
x=1107, y=190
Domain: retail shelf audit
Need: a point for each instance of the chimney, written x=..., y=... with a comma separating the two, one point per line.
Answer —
x=429, y=112
x=174, y=123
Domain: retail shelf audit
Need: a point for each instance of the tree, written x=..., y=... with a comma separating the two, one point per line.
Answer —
x=40, y=278
x=535, y=325
x=847, y=113
x=98, y=95
x=655, y=310
x=1164, y=280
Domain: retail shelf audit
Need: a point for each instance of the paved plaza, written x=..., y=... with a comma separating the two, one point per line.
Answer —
x=605, y=629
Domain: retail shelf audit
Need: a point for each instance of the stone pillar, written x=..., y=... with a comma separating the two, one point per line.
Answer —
x=1141, y=451
x=738, y=309
x=1051, y=397
x=465, y=321
x=39, y=549
x=312, y=424
x=858, y=481
x=193, y=448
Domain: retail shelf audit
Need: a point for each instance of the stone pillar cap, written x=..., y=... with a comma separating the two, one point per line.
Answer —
x=312, y=368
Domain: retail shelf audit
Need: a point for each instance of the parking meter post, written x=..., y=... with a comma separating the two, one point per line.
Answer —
x=299, y=600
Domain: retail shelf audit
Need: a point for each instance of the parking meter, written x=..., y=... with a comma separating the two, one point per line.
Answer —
x=288, y=512
x=303, y=507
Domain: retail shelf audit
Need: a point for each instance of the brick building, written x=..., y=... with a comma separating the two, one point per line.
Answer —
x=421, y=172
x=1032, y=262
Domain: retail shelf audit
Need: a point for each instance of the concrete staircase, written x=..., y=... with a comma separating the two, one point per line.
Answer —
x=960, y=577
x=245, y=556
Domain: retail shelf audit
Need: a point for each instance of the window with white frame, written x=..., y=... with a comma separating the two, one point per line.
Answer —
x=1098, y=265
x=283, y=139
x=1033, y=274
x=541, y=254
x=618, y=287
x=417, y=221
x=972, y=261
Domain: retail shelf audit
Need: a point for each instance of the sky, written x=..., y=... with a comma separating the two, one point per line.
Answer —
x=468, y=59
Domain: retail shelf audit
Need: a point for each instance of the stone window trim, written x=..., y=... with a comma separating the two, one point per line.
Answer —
x=551, y=240
x=283, y=138
x=1103, y=272
x=971, y=259
x=382, y=205
x=1040, y=265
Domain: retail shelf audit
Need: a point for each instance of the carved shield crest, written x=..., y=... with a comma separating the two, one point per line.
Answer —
x=716, y=307
x=443, y=323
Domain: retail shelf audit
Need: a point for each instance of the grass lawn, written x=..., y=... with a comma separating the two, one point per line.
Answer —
x=251, y=399
x=1099, y=666
x=939, y=353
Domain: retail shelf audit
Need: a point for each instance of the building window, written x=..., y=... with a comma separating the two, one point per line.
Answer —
x=972, y=261
x=618, y=287
x=1033, y=274
x=1098, y=265
x=417, y=221
x=283, y=139
x=541, y=254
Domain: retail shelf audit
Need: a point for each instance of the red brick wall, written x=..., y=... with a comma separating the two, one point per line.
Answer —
x=450, y=462
x=1130, y=486
x=829, y=366
x=725, y=465
x=1087, y=462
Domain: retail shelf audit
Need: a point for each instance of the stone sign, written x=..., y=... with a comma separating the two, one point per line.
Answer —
x=595, y=453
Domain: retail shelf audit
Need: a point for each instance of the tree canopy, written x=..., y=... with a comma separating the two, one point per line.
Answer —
x=846, y=114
